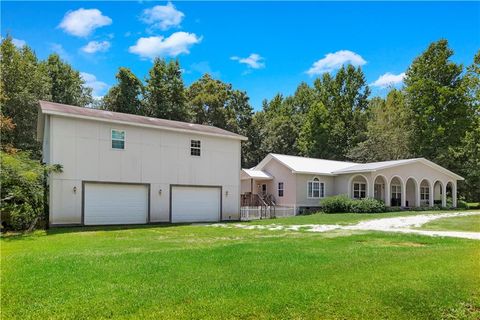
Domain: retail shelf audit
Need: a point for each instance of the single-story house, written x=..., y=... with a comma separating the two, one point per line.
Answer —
x=127, y=169
x=301, y=183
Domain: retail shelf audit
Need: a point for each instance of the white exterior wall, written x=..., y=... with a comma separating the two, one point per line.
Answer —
x=151, y=156
x=280, y=173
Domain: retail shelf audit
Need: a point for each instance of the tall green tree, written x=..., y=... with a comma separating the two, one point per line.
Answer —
x=126, y=95
x=22, y=84
x=436, y=93
x=165, y=95
x=65, y=83
x=345, y=97
x=389, y=130
x=314, y=133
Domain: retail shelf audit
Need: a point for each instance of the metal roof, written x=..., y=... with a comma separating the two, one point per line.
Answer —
x=117, y=117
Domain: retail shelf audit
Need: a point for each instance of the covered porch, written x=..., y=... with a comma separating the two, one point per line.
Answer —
x=405, y=192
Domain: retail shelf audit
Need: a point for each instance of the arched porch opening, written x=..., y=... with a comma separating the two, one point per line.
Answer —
x=396, y=190
x=358, y=187
x=449, y=194
x=437, y=193
x=380, y=189
x=425, y=193
x=411, y=193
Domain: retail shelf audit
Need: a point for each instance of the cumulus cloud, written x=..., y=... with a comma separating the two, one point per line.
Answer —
x=254, y=61
x=83, y=22
x=388, y=79
x=91, y=81
x=163, y=17
x=177, y=43
x=18, y=43
x=58, y=49
x=336, y=60
x=96, y=46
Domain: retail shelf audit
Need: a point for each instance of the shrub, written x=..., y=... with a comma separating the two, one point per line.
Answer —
x=336, y=204
x=462, y=204
x=367, y=205
x=343, y=203
x=22, y=190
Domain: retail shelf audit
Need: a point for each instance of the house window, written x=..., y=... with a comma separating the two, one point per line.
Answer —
x=195, y=148
x=359, y=190
x=118, y=139
x=315, y=189
x=396, y=192
x=424, y=193
x=280, y=189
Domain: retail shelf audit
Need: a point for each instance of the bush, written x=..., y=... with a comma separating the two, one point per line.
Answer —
x=343, y=203
x=22, y=190
x=462, y=204
x=336, y=204
x=367, y=205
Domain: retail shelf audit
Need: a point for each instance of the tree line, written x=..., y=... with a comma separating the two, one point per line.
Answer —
x=436, y=113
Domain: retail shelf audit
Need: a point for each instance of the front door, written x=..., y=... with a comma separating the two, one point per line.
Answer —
x=264, y=188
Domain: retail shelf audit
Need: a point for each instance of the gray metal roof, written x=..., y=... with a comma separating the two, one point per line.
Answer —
x=118, y=117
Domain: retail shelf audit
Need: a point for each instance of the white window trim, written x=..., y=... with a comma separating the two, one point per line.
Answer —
x=199, y=148
x=124, y=139
x=283, y=189
x=359, y=190
x=427, y=193
x=320, y=196
x=396, y=192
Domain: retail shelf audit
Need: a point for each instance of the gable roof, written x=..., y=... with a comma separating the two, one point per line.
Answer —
x=332, y=168
x=65, y=110
x=374, y=166
x=306, y=165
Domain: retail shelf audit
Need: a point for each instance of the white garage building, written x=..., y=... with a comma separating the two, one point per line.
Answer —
x=127, y=169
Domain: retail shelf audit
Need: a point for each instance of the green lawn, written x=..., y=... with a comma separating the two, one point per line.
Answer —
x=468, y=223
x=195, y=272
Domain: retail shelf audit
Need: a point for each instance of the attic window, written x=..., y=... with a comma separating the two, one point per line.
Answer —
x=195, y=148
x=118, y=139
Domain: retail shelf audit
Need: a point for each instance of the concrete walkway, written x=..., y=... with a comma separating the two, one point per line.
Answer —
x=397, y=224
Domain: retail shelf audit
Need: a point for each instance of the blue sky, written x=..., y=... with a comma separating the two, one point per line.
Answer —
x=260, y=47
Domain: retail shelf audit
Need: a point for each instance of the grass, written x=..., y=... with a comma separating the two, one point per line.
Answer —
x=467, y=223
x=200, y=272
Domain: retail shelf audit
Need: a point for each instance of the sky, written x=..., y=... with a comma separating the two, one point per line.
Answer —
x=263, y=48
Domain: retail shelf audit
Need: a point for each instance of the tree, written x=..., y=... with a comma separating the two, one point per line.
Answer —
x=65, y=84
x=125, y=96
x=165, y=95
x=436, y=93
x=314, y=133
x=389, y=131
x=345, y=97
x=22, y=85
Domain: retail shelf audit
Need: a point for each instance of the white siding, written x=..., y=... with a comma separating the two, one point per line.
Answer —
x=153, y=156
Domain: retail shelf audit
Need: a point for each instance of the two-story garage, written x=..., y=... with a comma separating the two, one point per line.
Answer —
x=127, y=169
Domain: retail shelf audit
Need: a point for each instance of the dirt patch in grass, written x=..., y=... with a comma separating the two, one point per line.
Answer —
x=386, y=243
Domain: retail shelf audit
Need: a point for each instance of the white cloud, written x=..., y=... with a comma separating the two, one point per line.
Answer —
x=82, y=22
x=163, y=17
x=336, y=60
x=204, y=67
x=18, y=43
x=177, y=43
x=254, y=61
x=96, y=46
x=98, y=87
x=389, y=79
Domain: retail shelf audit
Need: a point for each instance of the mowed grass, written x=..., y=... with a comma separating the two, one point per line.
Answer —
x=200, y=272
x=467, y=223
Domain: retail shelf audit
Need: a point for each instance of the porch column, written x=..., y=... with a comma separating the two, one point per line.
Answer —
x=404, y=195
x=454, y=194
x=417, y=195
x=431, y=199
x=444, y=194
x=371, y=186
x=387, y=194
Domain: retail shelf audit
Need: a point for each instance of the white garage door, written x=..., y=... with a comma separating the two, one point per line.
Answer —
x=106, y=203
x=195, y=204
